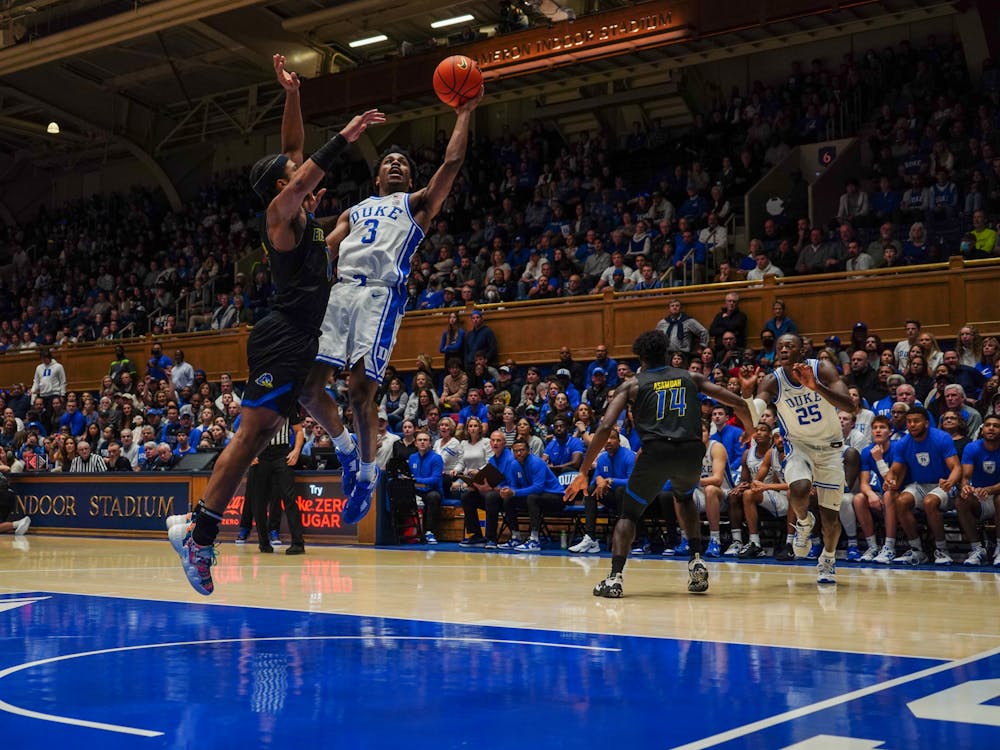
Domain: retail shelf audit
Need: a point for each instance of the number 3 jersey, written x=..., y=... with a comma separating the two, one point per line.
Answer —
x=804, y=415
x=381, y=241
x=666, y=406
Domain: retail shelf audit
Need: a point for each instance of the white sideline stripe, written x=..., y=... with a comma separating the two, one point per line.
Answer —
x=797, y=713
x=18, y=711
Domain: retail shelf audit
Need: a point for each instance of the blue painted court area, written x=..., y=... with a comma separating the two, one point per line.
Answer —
x=82, y=671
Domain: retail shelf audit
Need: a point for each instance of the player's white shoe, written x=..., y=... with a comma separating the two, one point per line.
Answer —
x=801, y=543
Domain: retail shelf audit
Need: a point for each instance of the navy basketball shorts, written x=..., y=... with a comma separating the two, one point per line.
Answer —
x=280, y=356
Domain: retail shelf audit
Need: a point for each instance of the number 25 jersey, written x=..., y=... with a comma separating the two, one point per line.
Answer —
x=803, y=414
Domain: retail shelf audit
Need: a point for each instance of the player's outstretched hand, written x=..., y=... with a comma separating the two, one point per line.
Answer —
x=471, y=104
x=353, y=130
x=578, y=485
x=805, y=375
x=312, y=201
x=289, y=81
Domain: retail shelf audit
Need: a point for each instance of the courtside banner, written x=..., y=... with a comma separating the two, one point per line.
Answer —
x=93, y=502
x=320, y=497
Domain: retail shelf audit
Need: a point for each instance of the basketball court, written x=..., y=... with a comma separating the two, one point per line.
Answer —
x=105, y=645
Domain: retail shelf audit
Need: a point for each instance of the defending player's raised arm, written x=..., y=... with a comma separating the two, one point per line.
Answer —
x=426, y=203
x=624, y=395
x=293, y=132
x=287, y=205
x=727, y=397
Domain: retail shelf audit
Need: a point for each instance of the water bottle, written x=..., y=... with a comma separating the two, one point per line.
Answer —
x=563, y=541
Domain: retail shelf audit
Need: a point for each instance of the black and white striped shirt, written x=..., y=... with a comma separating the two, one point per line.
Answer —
x=93, y=463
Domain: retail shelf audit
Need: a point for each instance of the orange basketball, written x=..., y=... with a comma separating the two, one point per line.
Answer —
x=457, y=80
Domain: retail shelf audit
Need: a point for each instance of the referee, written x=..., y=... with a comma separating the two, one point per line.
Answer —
x=270, y=482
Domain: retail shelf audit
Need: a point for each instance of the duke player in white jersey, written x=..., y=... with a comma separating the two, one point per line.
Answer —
x=373, y=242
x=807, y=395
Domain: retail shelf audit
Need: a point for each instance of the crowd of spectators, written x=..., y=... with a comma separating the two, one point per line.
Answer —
x=536, y=217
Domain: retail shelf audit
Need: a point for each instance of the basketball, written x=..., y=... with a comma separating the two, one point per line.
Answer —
x=457, y=80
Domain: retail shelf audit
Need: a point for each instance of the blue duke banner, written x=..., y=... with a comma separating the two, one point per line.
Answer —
x=90, y=504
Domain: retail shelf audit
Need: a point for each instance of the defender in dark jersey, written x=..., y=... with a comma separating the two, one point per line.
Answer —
x=281, y=348
x=667, y=415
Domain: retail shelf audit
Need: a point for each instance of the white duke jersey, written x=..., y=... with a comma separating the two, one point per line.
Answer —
x=803, y=414
x=706, y=467
x=381, y=241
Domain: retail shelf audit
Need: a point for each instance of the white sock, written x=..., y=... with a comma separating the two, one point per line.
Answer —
x=828, y=556
x=755, y=539
x=366, y=471
x=871, y=541
x=789, y=538
x=976, y=546
x=343, y=442
x=738, y=535
x=515, y=535
x=890, y=542
x=852, y=541
x=713, y=535
x=915, y=545
x=942, y=545
x=534, y=536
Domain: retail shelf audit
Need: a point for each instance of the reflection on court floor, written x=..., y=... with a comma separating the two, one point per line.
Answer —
x=90, y=671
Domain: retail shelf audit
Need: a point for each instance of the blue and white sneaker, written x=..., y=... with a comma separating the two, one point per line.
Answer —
x=826, y=570
x=853, y=553
x=510, y=545
x=359, y=501
x=490, y=544
x=640, y=549
x=681, y=549
x=529, y=546
x=429, y=538
x=196, y=560
x=349, y=465
x=815, y=550
x=241, y=535
x=713, y=549
x=275, y=539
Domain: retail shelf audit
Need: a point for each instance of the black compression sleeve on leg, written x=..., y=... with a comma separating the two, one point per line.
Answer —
x=325, y=155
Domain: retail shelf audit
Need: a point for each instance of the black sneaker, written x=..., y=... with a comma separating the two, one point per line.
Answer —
x=697, y=576
x=295, y=549
x=751, y=552
x=265, y=547
x=473, y=541
x=610, y=587
x=785, y=554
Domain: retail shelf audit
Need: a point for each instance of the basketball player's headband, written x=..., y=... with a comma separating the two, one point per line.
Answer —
x=264, y=186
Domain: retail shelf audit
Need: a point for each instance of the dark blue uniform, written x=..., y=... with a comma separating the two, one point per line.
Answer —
x=282, y=347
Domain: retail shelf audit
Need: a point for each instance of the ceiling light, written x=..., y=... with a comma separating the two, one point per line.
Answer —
x=452, y=21
x=53, y=128
x=368, y=40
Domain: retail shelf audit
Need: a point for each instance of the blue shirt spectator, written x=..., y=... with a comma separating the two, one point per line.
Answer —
x=616, y=466
x=533, y=477
x=427, y=469
x=925, y=459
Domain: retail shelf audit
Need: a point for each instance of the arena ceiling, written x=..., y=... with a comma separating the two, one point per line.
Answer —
x=142, y=77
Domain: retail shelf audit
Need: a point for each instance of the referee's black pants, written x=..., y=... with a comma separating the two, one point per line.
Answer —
x=271, y=481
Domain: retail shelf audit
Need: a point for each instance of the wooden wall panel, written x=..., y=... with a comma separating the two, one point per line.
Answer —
x=942, y=298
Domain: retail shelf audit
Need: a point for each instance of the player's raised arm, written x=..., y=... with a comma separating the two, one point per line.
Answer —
x=426, y=203
x=293, y=132
x=296, y=185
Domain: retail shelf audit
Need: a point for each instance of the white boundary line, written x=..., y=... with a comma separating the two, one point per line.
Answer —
x=798, y=713
x=18, y=711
